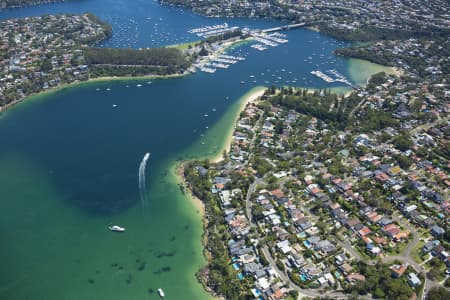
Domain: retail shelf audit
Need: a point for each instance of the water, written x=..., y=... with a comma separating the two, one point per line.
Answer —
x=68, y=161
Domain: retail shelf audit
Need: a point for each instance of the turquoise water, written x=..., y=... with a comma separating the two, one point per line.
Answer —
x=69, y=162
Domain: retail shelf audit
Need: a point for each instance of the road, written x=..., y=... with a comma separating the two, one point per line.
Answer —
x=248, y=198
x=303, y=292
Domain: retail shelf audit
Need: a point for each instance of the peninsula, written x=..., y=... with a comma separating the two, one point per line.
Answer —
x=40, y=53
x=22, y=3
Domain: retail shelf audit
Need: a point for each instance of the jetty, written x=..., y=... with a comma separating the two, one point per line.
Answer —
x=286, y=27
x=208, y=31
x=337, y=77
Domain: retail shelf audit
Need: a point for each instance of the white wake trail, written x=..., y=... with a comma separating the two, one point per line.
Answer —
x=142, y=189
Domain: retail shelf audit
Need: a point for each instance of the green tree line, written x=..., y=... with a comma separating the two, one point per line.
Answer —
x=125, y=56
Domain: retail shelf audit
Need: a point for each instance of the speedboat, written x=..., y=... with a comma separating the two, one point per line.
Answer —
x=161, y=293
x=116, y=228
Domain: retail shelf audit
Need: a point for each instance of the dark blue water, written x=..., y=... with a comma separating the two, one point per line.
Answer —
x=137, y=23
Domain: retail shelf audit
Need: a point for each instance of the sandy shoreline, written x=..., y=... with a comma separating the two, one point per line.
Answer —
x=181, y=180
x=250, y=97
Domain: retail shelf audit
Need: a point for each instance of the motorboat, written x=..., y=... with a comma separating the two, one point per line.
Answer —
x=116, y=228
x=161, y=293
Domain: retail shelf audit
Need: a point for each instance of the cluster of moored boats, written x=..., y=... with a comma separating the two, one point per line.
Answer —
x=208, y=31
x=221, y=61
x=266, y=40
x=327, y=78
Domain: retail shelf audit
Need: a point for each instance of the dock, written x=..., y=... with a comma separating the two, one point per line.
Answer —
x=286, y=27
x=337, y=77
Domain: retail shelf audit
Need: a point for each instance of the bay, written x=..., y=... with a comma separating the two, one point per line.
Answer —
x=69, y=160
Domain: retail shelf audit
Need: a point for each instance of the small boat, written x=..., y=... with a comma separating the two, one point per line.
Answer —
x=161, y=293
x=116, y=228
x=138, y=85
x=114, y=105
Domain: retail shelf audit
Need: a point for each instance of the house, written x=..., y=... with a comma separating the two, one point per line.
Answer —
x=355, y=277
x=402, y=235
x=437, y=250
x=364, y=231
x=385, y=221
x=345, y=268
x=352, y=223
x=413, y=280
x=340, y=258
x=202, y=171
x=398, y=270
x=277, y=194
x=330, y=279
x=284, y=246
x=430, y=245
x=390, y=230
x=326, y=247
x=437, y=231
x=252, y=268
x=373, y=250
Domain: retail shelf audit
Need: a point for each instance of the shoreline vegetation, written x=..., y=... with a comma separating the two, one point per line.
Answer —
x=76, y=84
x=24, y=3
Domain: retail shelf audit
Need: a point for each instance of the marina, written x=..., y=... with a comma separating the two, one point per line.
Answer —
x=218, y=61
x=329, y=79
x=259, y=47
x=208, y=31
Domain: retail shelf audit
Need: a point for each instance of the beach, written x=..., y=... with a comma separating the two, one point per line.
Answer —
x=253, y=95
x=249, y=97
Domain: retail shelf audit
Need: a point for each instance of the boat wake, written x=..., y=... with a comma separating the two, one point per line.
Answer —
x=142, y=188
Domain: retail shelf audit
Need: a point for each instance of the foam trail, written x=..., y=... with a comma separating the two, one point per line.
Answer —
x=142, y=167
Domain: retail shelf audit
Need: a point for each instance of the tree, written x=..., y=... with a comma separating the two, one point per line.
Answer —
x=46, y=65
x=403, y=141
x=438, y=293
